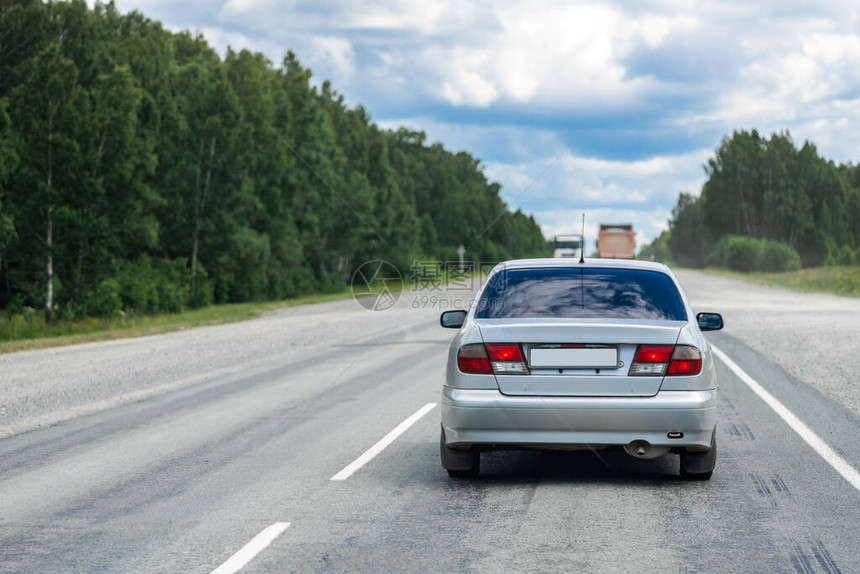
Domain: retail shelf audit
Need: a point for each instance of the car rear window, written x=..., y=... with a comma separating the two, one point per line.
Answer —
x=581, y=294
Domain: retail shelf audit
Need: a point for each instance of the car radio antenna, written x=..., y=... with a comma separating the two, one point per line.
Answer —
x=582, y=241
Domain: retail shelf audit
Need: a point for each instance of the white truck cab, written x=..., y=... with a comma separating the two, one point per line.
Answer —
x=568, y=245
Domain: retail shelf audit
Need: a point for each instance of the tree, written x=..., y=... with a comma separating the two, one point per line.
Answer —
x=140, y=171
x=8, y=162
x=767, y=188
x=201, y=174
x=47, y=109
x=687, y=234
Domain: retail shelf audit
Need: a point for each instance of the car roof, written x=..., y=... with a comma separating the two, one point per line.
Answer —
x=594, y=263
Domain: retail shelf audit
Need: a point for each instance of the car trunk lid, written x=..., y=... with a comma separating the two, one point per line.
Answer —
x=579, y=357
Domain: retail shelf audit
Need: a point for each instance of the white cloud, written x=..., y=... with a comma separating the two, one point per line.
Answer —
x=285, y=17
x=808, y=84
x=466, y=80
x=554, y=53
x=588, y=182
x=641, y=192
x=503, y=142
x=236, y=7
x=418, y=15
x=220, y=39
x=654, y=30
x=477, y=53
x=675, y=71
x=557, y=187
x=335, y=54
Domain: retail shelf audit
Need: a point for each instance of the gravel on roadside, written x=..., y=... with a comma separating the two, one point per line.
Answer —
x=815, y=337
x=43, y=387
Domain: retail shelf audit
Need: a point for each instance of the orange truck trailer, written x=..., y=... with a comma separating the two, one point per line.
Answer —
x=616, y=241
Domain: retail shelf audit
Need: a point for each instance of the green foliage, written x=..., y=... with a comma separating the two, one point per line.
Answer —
x=8, y=162
x=243, y=274
x=8, y=155
x=767, y=188
x=659, y=249
x=148, y=287
x=736, y=252
x=105, y=300
x=741, y=253
x=7, y=230
x=155, y=176
x=687, y=235
x=777, y=257
x=848, y=281
x=843, y=256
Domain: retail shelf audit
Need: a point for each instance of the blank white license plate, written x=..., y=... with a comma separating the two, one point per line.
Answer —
x=574, y=358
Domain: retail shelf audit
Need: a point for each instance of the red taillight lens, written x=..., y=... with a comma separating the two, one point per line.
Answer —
x=504, y=352
x=473, y=359
x=686, y=360
x=659, y=360
x=653, y=354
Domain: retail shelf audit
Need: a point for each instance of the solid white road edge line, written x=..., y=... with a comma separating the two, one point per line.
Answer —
x=370, y=453
x=848, y=472
x=257, y=544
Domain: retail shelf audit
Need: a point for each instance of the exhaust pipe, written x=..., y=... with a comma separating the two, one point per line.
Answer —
x=645, y=450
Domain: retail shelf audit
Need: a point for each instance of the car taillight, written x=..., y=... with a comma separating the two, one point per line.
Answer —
x=499, y=358
x=473, y=359
x=686, y=360
x=507, y=359
x=651, y=360
x=659, y=360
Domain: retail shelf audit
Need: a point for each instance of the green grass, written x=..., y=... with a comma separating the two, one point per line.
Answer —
x=840, y=280
x=28, y=331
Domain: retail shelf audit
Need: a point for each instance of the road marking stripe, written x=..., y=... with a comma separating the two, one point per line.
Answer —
x=370, y=453
x=848, y=472
x=257, y=544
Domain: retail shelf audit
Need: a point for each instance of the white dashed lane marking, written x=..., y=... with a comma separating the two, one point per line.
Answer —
x=257, y=544
x=370, y=453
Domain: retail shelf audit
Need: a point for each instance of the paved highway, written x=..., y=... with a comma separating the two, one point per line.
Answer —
x=214, y=449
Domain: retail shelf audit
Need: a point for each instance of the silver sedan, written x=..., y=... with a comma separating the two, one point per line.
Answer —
x=558, y=354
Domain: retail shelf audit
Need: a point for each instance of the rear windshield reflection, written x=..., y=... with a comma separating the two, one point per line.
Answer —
x=581, y=294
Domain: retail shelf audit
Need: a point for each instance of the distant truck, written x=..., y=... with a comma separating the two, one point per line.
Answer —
x=568, y=246
x=616, y=241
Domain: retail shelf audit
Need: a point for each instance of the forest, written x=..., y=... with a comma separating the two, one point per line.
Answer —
x=766, y=205
x=141, y=172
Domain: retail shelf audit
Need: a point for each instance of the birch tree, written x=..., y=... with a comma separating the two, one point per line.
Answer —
x=47, y=107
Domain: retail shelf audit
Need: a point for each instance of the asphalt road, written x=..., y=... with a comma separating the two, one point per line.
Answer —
x=172, y=453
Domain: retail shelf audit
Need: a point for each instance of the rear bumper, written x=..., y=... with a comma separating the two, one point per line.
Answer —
x=487, y=417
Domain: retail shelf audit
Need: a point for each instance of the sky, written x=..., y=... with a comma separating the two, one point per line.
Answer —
x=608, y=108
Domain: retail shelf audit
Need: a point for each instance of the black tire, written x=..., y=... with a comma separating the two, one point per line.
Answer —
x=697, y=475
x=459, y=463
x=700, y=465
x=460, y=474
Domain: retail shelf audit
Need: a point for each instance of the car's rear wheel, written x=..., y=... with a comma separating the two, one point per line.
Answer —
x=700, y=465
x=460, y=463
x=463, y=473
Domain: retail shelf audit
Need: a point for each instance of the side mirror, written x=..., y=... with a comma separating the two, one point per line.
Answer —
x=710, y=321
x=452, y=319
